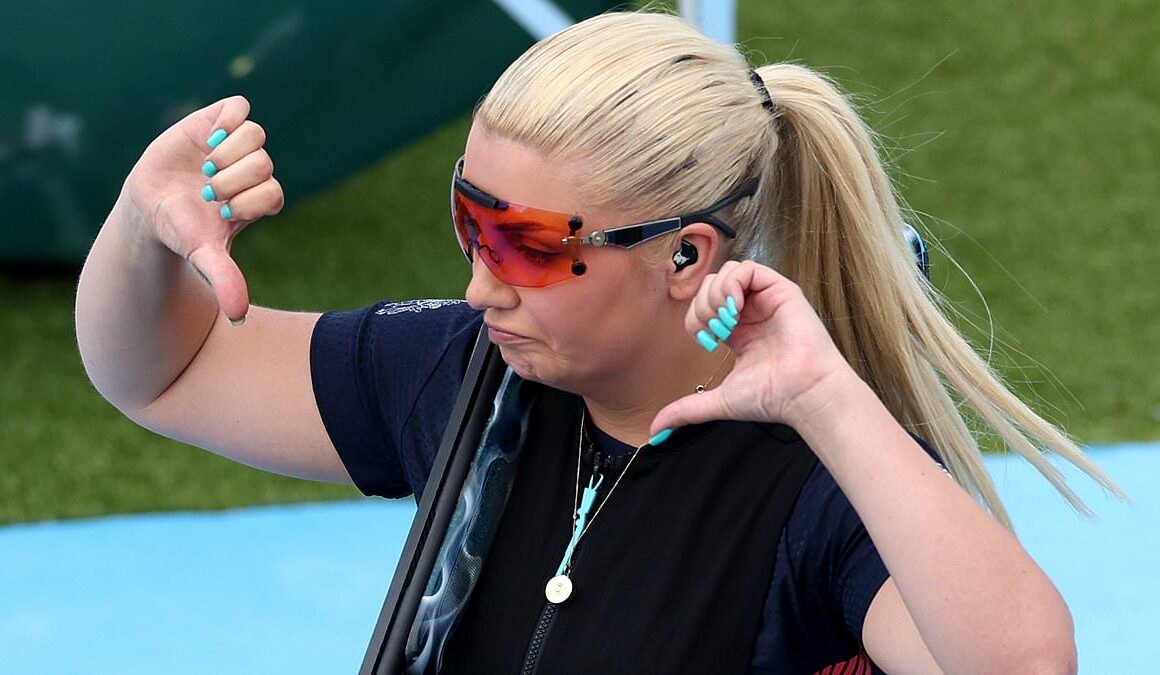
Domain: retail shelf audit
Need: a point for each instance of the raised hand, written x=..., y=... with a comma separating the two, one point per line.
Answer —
x=198, y=185
x=785, y=359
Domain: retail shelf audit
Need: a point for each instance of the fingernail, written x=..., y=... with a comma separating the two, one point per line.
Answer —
x=215, y=139
x=207, y=193
x=719, y=329
x=238, y=322
x=726, y=318
x=661, y=437
x=706, y=341
x=732, y=306
x=226, y=213
x=209, y=169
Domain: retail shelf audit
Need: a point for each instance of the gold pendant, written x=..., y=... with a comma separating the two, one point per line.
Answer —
x=559, y=589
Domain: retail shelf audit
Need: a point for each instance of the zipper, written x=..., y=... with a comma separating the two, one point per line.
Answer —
x=600, y=463
x=536, y=646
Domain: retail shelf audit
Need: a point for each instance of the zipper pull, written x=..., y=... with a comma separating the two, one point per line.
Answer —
x=580, y=522
x=588, y=499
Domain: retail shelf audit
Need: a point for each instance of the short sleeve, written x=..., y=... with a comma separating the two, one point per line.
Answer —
x=851, y=572
x=838, y=553
x=382, y=377
x=812, y=617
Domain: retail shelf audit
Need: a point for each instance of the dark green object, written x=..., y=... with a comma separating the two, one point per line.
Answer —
x=86, y=86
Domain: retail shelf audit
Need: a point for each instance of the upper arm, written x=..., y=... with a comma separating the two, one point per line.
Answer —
x=891, y=637
x=248, y=395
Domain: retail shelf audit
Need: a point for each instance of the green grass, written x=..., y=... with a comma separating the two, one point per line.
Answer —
x=1031, y=144
x=1025, y=132
x=66, y=453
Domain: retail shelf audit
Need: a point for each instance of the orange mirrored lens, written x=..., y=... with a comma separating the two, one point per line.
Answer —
x=520, y=245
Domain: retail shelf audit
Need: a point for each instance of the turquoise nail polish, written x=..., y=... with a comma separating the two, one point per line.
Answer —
x=706, y=341
x=226, y=213
x=719, y=329
x=209, y=169
x=732, y=305
x=207, y=193
x=215, y=139
x=726, y=318
x=661, y=437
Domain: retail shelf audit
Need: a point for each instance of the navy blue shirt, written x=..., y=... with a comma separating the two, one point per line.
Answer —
x=385, y=378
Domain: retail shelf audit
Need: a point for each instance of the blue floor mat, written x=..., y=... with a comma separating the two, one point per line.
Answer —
x=296, y=590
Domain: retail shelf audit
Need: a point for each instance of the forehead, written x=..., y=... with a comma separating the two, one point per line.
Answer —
x=518, y=173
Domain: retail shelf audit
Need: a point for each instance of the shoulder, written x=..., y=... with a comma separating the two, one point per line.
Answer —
x=385, y=377
x=400, y=332
x=826, y=575
x=824, y=527
x=393, y=317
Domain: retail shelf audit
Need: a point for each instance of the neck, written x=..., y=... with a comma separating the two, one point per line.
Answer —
x=625, y=407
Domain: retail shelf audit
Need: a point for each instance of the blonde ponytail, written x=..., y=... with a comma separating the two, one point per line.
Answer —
x=839, y=229
x=658, y=119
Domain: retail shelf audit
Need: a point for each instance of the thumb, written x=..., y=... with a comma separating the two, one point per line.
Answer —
x=226, y=280
x=692, y=409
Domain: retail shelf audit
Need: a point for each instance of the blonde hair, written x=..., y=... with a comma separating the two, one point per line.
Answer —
x=659, y=119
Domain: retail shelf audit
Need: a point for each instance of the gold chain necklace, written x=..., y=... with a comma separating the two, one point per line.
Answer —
x=700, y=388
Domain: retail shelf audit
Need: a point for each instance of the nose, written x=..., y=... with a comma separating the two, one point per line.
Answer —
x=484, y=291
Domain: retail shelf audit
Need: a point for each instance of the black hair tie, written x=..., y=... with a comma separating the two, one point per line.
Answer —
x=766, y=101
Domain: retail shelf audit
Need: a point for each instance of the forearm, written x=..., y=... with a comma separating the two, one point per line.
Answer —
x=980, y=602
x=142, y=313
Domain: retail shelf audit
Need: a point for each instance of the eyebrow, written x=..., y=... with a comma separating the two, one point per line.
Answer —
x=523, y=226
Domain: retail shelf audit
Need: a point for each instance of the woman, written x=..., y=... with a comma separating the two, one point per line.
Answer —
x=702, y=269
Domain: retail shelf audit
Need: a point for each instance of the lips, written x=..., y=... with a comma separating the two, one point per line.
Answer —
x=502, y=335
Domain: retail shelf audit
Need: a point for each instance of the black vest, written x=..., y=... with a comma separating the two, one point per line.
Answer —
x=672, y=575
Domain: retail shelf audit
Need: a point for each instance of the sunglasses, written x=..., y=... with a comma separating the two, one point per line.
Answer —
x=530, y=247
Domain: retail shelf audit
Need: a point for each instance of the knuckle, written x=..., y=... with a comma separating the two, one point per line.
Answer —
x=274, y=196
x=258, y=132
x=265, y=165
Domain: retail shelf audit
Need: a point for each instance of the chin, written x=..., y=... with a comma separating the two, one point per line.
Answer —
x=520, y=364
x=529, y=369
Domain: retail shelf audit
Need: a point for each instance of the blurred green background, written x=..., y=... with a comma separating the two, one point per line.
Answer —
x=1024, y=133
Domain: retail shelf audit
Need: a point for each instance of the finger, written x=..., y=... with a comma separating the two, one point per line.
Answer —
x=264, y=199
x=226, y=114
x=708, y=319
x=239, y=142
x=251, y=170
x=699, y=309
x=691, y=409
x=716, y=295
x=224, y=276
x=739, y=285
x=736, y=286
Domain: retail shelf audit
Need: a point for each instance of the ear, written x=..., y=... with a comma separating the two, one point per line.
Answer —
x=685, y=282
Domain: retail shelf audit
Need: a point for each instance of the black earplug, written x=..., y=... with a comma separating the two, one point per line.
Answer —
x=686, y=256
